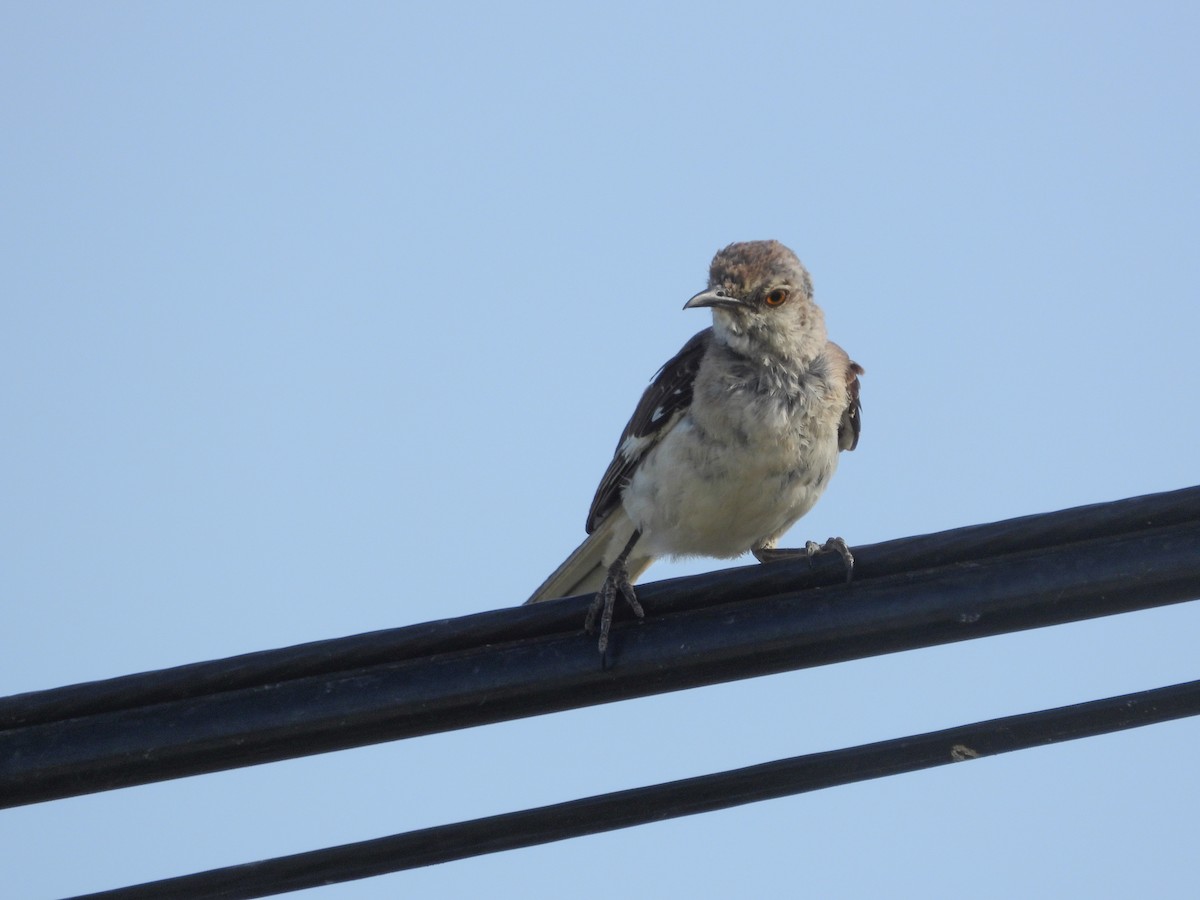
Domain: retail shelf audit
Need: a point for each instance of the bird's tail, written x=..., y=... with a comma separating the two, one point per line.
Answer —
x=586, y=568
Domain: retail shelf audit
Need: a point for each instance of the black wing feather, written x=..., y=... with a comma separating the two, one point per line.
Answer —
x=668, y=397
x=850, y=427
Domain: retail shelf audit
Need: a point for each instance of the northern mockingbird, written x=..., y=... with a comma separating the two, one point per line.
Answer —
x=733, y=441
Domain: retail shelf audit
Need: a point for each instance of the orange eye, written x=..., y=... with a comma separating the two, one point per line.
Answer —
x=777, y=297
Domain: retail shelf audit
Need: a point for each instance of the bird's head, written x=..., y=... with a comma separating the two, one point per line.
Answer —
x=762, y=301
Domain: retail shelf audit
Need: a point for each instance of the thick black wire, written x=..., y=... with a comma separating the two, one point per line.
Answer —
x=754, y=636
x=608, y=812
x=271, y=667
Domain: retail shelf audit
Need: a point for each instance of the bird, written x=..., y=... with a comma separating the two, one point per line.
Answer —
x=736, y=437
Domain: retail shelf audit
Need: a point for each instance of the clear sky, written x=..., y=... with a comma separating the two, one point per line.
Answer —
x=324, y=318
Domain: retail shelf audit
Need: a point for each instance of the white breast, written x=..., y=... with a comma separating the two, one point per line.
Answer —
x=737, y=470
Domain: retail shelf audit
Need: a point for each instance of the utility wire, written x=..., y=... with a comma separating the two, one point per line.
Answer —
x=270, y=667
x=707, y=793
x=968, y=583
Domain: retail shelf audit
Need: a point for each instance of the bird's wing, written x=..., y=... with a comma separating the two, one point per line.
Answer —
x=850, y=425
x=664, y=402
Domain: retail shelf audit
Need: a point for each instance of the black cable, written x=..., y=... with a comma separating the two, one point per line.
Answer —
x=345, y=654
x=794, y=628
x=608, y=812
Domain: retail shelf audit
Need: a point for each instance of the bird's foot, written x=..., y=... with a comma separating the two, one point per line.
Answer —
x=808, y=551
x=617, y=582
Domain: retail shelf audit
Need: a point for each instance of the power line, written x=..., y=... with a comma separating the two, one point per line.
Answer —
x=921, y=591
x=894, y=557
x=707, y=793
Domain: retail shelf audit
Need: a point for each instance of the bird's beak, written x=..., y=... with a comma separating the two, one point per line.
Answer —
x=715, y=297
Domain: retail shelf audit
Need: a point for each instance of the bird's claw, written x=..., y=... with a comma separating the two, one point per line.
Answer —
x=605, y=602
x=809, y=550
x=836, y=545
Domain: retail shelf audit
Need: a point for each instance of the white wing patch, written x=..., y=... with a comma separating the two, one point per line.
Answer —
x=633, y=446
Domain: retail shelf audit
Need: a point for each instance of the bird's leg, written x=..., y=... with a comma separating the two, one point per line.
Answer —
x=606, y=598
x=809, y=550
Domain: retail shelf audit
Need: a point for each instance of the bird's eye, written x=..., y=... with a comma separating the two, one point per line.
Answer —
x=777, y=297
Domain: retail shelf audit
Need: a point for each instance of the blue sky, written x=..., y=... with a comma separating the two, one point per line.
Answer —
x=324, y=318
